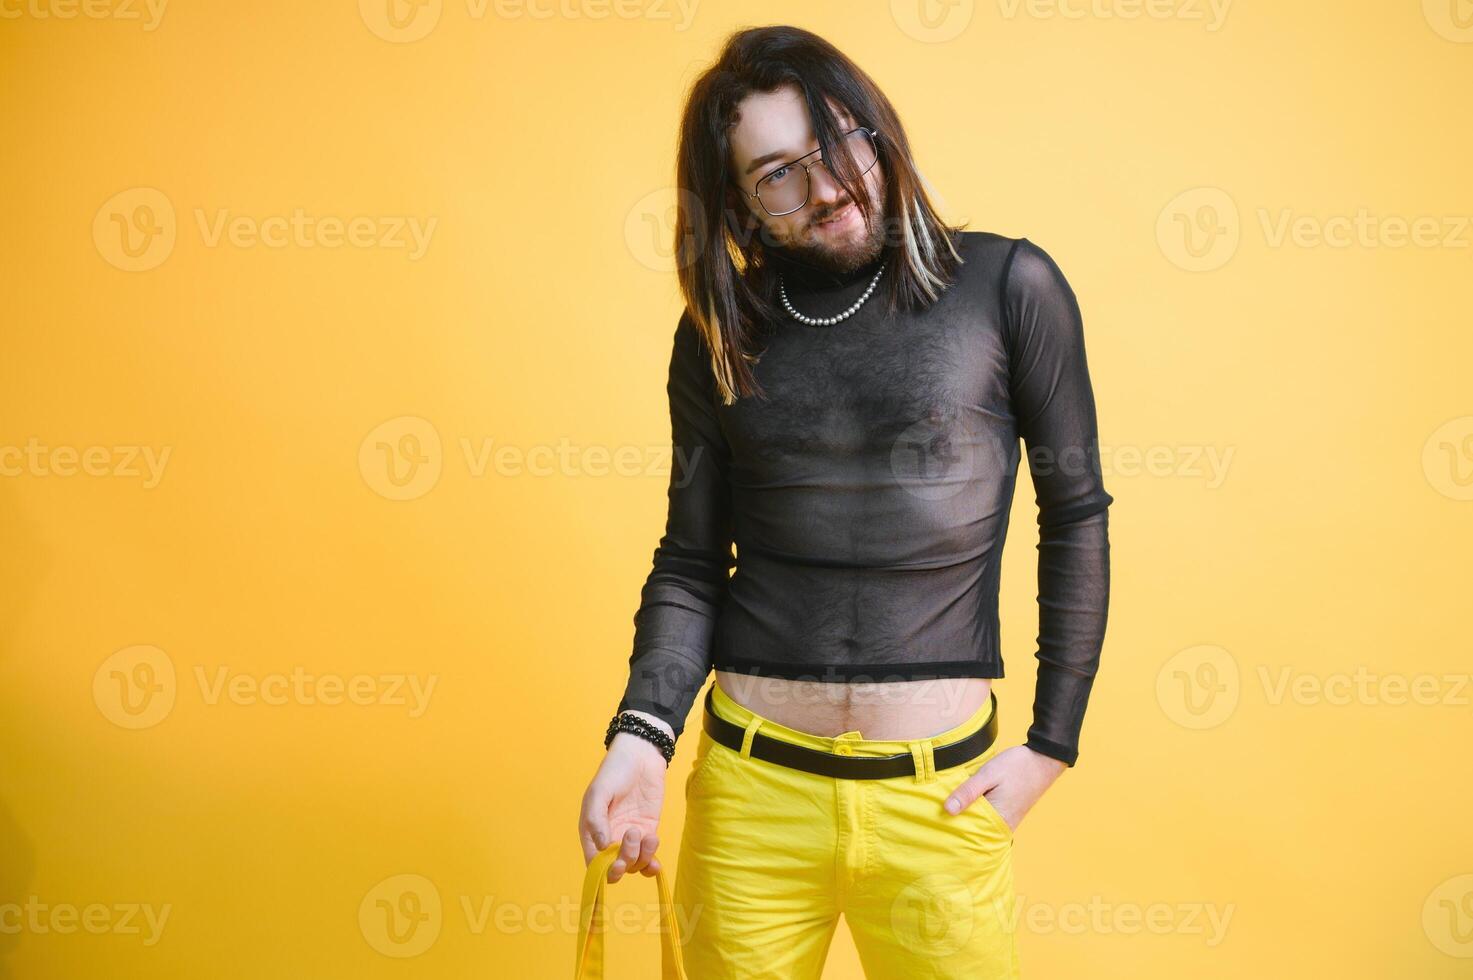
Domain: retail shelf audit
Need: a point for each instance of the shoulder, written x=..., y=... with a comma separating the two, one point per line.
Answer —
x=1009, y=264
x=690, y=354
x=984, y=248
x=1016, y=256
x=688, y=341
x=1030, y=274
x=692, y=342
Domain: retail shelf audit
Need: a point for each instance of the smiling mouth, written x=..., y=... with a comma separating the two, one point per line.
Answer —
x=838, y=215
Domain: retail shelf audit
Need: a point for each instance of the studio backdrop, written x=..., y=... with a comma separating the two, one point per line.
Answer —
x=334, y=446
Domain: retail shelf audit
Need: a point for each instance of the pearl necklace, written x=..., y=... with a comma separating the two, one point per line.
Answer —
x=824, y=321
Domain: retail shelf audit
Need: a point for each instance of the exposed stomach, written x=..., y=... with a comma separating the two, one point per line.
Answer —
x=877, y=710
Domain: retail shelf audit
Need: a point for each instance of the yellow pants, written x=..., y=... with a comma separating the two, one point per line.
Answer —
x=771, y=856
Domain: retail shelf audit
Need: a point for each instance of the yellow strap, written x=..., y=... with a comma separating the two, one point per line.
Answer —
x=590, y=965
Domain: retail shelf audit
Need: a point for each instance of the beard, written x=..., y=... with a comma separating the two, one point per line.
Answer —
x=856, y=251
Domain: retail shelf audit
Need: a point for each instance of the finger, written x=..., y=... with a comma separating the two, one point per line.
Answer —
x=652, y=869
x=586, y=835
x=595, y=822
x=646, y=852
x=966, y=794
x=585, y=841
x=628, y=851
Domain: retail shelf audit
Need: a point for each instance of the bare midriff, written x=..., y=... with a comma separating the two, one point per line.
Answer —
x=879, y=710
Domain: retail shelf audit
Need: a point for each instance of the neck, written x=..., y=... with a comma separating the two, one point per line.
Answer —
x=802, y=275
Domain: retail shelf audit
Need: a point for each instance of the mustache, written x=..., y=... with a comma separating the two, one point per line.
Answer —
x=832, y=211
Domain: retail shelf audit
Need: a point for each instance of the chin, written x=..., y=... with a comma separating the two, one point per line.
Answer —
x=857, y=239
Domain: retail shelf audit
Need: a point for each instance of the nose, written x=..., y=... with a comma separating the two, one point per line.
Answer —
x=823, y=190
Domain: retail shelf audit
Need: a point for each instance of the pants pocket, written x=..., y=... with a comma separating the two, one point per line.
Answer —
x=981, y=807
x=707, y=749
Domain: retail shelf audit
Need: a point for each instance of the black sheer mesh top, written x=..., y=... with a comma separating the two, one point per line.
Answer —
x=867, y=494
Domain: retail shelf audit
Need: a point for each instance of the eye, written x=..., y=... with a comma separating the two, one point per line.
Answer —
x=777, y=174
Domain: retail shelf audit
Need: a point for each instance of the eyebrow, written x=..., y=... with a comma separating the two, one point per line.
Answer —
x=767, y=158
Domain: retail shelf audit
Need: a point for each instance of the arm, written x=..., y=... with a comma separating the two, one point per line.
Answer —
x=687, y=584
x=676, y=619
x=1054, y=405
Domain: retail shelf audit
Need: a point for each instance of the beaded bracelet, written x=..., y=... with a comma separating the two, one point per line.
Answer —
x=635, y=725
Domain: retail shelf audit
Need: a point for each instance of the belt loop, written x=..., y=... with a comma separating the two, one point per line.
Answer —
x=920, y=752
x=752, y=726
x=928, y=748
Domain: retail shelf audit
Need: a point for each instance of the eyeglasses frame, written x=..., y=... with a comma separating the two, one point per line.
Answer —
x=874, y=136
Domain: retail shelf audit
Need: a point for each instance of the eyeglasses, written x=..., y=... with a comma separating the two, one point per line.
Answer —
x=785, y=189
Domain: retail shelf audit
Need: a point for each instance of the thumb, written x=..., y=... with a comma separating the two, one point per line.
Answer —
x=596, y=823
x=966, y=794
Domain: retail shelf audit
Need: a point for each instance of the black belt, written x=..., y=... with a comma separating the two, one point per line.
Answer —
x=785, y=753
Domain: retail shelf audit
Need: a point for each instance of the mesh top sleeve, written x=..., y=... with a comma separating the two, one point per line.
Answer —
x=687, y=585
x=1054, y=405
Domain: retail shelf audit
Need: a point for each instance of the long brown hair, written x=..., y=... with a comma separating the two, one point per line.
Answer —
x=715, y=231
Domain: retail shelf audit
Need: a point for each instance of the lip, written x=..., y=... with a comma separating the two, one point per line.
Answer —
x=840, y=220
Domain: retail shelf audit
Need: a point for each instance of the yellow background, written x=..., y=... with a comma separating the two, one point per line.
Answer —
x=1333, y=832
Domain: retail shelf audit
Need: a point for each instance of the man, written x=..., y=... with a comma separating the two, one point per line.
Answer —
x=846, y=408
